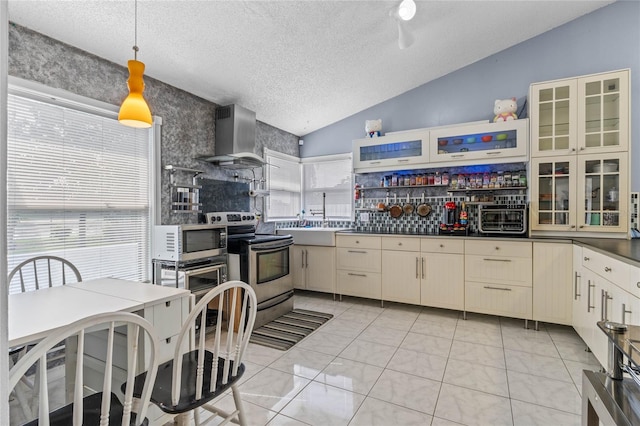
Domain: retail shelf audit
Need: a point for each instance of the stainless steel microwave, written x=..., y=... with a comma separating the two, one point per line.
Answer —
x=182, y=243
x=503, y=219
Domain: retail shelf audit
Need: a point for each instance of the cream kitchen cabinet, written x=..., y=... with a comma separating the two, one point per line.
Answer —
x=314, y=268
x=442, y=273
x=401, y=265
x=553, y=289
x=358, y=266
x=498, y=278
x=583, y=115
x=579, y=149
x=583, y=193
x=397, y=151
x=486, y=143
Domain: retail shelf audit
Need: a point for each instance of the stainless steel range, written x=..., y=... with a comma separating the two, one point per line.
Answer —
x=261, y=260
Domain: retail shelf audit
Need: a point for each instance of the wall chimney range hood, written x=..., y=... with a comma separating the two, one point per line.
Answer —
x=235, y=139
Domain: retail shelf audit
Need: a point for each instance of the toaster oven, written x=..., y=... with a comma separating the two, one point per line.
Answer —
x=503, y=219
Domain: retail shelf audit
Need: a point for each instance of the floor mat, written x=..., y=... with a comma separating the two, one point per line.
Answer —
x=287, y=330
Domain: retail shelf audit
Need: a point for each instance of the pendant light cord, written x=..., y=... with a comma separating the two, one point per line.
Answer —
x=135, y=31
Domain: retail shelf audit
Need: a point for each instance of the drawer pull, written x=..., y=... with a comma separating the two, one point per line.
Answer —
x=638, y=284
x=607, y=269
x=488, y=287
x=458, y=156
x=441, y=245
x=168, y=340
x=167, y=304
x=494, y=153
x=357, y=251
x=586, y=259
x=497, y=260
x=399, y=244
x=356, y=275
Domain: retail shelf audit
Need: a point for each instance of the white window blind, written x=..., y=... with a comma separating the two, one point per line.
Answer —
x=283, y=177
x=78, y=188
x=332, y=177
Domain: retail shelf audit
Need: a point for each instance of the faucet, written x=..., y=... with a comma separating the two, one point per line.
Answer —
x=325, y=222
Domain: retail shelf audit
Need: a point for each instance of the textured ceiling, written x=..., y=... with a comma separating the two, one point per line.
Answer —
x=301, y=65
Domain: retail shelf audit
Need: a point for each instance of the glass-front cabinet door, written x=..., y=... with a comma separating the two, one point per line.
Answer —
x=603, y=190
x=553, y=130
x=553, y=184
x=603, y=112
x=391, y=152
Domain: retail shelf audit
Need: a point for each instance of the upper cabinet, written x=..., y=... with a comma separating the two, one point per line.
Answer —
x=582, y=115
x=391, y=152
x=484, y=143
x=579, y=150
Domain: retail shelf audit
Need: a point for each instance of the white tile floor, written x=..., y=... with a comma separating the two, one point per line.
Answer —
x=408, y=365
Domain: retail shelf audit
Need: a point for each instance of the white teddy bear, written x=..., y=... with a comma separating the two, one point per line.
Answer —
x=373, y=128
x=505, y=110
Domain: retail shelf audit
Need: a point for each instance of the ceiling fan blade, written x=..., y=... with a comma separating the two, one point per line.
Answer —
x=405, y=37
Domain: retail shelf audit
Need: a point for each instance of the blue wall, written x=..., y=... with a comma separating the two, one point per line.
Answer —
x=605, y=40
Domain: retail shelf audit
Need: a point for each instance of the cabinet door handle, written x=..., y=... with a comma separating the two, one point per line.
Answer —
x=458, y=156
x=624, y=312
x=374, y=162
x=306, y=258
x=575, y=286
x=356, y=275
x=589, y=307
x=573, y=150
x=606, y=305
x=417, y=267
x=488, y=287
x=423, y=268
x=494, y=153
x=607, y=269
x=603, y=302
x=357, y=251
x=497, y=260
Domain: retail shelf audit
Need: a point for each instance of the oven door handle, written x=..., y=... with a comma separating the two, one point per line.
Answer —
x=275, y=301
x=198, y=271
x=274, y=247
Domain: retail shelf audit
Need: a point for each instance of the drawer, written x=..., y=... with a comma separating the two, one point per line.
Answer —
x=361, y=284
x=442, y=245
x=497, y=299
x=499, y=248
x=607, y=267
x=166, y=347
x=633, y=284
x=401, y=243
x=499, y=270
x=358, y=259
x=167, y=318
x=358, y=241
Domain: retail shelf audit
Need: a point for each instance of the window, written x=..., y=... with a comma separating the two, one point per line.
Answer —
x=78, y=186
x=283, y=176
x=296, y=185
x=329, y=177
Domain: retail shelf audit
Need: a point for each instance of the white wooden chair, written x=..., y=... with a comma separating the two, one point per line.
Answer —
x=35, y=273
x=102, y=407
x=194, y=378
x=44, y=270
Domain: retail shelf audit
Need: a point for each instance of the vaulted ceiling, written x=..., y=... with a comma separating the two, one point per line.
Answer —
x=301, y=65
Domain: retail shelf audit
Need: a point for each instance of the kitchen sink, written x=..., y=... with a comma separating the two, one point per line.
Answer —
x=312, y=236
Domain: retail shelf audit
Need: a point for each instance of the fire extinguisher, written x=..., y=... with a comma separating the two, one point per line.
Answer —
x=357, y=191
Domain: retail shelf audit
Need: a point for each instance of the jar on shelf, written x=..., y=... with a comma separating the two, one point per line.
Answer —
x=486, y=179
x=523, y=179
x=437, y=179
x=507, y=179
x=407, y=180
x=445, y=178
x=412, y=180
x=431, y=179
x=515, y=179
x=394, y=179
x=462, y=184
x=419, y=179
x=454, y=181
x=500, y=181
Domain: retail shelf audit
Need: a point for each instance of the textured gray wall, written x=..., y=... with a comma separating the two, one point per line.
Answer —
x=604, y=40
x=188, y=129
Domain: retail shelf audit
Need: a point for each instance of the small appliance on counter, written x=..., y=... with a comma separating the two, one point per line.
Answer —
x=503, y=219
x=454, y=221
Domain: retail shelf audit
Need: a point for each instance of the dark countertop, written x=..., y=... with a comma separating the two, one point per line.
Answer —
x=625, y=250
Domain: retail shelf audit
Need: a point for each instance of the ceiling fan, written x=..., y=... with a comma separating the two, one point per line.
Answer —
x=403, y=13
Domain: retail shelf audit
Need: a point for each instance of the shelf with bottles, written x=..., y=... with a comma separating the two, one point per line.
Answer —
x=185, y=197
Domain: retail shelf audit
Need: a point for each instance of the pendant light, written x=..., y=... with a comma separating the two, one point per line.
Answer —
x=134, y=111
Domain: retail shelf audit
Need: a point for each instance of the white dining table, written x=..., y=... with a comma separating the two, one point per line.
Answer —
x=34, y=314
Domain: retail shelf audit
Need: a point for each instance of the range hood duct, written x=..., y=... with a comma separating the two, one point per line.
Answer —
x=235, y=139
